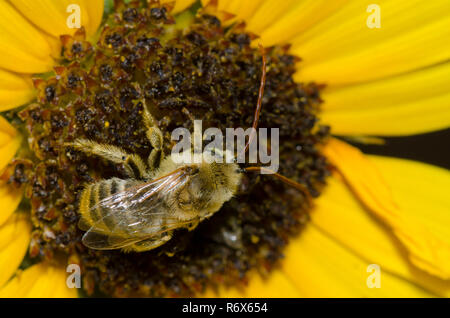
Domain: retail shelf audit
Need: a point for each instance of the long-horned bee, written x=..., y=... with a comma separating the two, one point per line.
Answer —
x=140, y=213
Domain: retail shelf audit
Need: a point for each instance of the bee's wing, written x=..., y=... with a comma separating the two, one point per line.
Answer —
x=126, y=214
x=101, y=241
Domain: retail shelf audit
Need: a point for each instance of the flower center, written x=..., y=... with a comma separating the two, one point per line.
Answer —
x=183, y=68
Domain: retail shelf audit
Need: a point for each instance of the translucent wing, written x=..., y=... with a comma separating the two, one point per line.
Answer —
x=135, y=214
x=101, y=241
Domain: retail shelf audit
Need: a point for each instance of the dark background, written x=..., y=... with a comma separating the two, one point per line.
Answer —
x=432, y=148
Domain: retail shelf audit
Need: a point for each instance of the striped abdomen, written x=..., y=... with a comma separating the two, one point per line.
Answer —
x=94, y=213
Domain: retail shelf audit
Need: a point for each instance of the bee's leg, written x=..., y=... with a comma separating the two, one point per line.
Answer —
x=133, y=164
x=155, y=136
x=149, y=244
x=191, y=226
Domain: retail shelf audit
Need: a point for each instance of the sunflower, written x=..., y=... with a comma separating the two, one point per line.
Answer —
x=375, y=215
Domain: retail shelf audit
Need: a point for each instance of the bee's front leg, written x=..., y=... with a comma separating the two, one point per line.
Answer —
x=155, y=136
x=191, y=226
x=133, y=164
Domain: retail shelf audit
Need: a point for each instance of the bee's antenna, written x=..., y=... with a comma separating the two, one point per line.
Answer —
x=286, y=180
x=260, y=97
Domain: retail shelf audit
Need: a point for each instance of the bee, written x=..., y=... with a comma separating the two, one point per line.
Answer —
x=159, y=196
x=140, y=215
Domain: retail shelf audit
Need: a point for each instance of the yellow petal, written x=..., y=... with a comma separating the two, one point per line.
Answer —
x=15, y=90
x=7, y=129
x=298, y=18
x=39, y=281
x=243, y=10
x=337, y=46
x=23, y=48
x=412, y=103
x=95, y=9
x=342, y=49
x=9, y=142
x=14, y=240
x=421, y=190
x=9, y=201
x=279, y=21
x=425, y=249
x=321, y=267
x=274, y=286
x=267, y=13
x=180, y=5
x=339, y=215
x=53, y=14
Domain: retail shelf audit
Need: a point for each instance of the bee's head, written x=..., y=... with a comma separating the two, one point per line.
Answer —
x=211, y=183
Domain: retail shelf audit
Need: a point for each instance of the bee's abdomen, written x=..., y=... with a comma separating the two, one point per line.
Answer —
x=90, y=208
